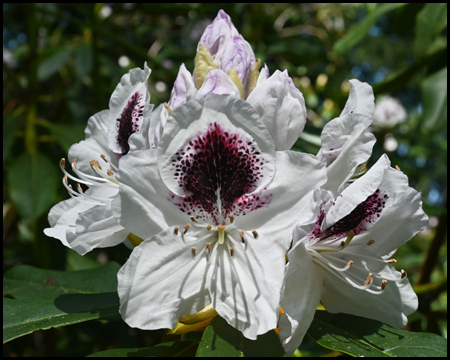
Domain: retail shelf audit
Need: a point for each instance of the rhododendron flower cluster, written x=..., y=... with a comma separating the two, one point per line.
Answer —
x=224, y=217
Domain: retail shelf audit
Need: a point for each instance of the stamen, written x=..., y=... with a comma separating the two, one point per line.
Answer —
x=231, y=218
x=341, y=245
x=363, y=168
x=65, y=179
x=80, y=190
x=350, y=236
x=63, y=163
x=242, y=236
x=95, y=163
x=397, y=167
x=369, y=279
x=85, y=176
x=104, y=158
x=350, y=263
x=208, y=227
x=403, y=273
x=231, y=251
x=370, y=242
x=109, y=172
x=392, y=261
x=175, y=231
x=208, y=246
x=221, y=233
x=383, y=284
x=194, y=251
x=255, y=234
x=74, y=163
x=194, y=219
x=186, y=228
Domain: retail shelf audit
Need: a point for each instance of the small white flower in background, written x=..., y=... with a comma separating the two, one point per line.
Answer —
x=389, y=112
x=85, y=221
x=216, y=204
x=342, y=257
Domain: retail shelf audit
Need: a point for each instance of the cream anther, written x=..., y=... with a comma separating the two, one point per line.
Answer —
x=95, y=163
x=242, y=236
x=109, y=172
x=186, y=228
x=208, y=246
x=350, y=263
x=104, y=158
x=231, y=251
x=194, y=219
x=208, y=227
x=363, y=168
x=231, y=218
x=403, y=273
x=392, y=261
x=255, y=234
x=74, y=163
x=397, y=167
x=175, y=231
x=80, y=190
x=370, y=242
x=369, y=279
x=383, y=284
x=221, y=233
x=194, y=251
x=65, y=179
x=63, y=163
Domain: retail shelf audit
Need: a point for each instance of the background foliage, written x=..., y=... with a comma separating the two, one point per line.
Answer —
x=61, y=63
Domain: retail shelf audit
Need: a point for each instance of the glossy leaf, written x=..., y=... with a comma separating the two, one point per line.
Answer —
x=52, y=64
x=38, y=299
x=67, y=135
x=172, y=349
x=360, y=30
x=221, y=339
x=358, y=336
x=32, y=182
x=434, y=96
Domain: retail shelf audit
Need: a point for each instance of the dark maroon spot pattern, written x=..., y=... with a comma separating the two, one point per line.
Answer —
x=359, y=220
x=128, y=122
x=219, y=169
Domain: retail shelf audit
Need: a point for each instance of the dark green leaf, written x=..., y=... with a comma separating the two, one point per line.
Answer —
x=358, y=336
x=32, y=181
x=67, y=135
x=10, y=125
x=221, y=339
x=360, y=31
x=47, y=298
x=84, y=60
x=168, y=349
x=430, y=22
x=434, y=97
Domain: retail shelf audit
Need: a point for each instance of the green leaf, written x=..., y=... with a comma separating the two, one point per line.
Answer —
x=358, y=336
x=42, y=299
x=434, y=98
x=221, y=339
x=10, y=125
x=32, y=181
x=360, y=31
x=430, y=22
x=172, y=349
x=51, y=65
x=84, y=60
x=67, y=135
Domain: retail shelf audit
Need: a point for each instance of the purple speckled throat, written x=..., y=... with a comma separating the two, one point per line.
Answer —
x=219, y=169
x=358, y=221
x=128, y=122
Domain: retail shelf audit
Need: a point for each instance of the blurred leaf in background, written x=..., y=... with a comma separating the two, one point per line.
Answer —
x=61, y=62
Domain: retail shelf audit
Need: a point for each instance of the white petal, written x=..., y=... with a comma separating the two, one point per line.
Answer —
x=399, y=222
x=142, y=204
x=391, y=307
x=162, y=281
x=360, y=99
x=302, y=294
x=356, y=193
x=128, y=105
x=245, y=288
x=290, y=194
x=345, y=144
x=282, y=109
x=212, y=116
x=217, y=82
x=263, y=75
x=96, y=227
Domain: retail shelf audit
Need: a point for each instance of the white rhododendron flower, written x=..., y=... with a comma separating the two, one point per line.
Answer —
x=85, y=221
x=346, y=142
x=216, y=204
x=342, y=256
x=389, y=112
